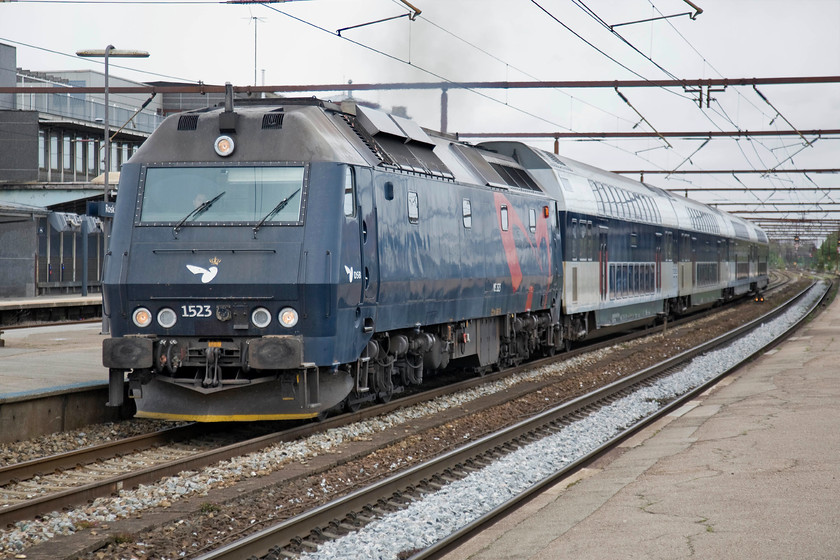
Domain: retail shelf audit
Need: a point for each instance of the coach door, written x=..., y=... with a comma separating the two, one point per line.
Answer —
x=367, y=227
x=351, y=265
x=603, y=262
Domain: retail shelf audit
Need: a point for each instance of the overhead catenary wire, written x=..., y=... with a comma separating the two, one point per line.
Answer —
x=627, y=101
x=710, y=65
x=580, y=4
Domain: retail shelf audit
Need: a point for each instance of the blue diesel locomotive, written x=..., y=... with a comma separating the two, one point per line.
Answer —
x=275, y=260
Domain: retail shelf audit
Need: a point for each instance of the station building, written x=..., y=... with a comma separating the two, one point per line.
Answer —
x=52, y=171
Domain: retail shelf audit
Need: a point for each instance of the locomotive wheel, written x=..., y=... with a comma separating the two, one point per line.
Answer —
x=353, y=402
x=481, y=371
x=383, y=385
x=385, y=396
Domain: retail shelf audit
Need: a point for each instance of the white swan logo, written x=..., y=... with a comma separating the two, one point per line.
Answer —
x=352, y=274
x=207, y=274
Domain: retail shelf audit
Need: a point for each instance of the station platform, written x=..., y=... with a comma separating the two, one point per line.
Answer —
x=69, y=300
x=52, y=358
x=16, y=312
x=52, y=380
x=750, y=469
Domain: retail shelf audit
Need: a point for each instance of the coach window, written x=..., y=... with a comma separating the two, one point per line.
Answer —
x=574, y=240
x=685, y=249
x=532, y=220
x=583, y=241
x=675, y=253
x=590, y=251
x=503, y=211
x=349, y=193
x=467, y=213
x=636, y=206
x=413, y=207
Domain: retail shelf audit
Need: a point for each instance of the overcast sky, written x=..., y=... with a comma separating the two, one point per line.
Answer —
x=494, y=40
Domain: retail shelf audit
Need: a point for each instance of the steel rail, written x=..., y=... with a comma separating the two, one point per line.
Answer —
x=87, y=455
x=272, y=538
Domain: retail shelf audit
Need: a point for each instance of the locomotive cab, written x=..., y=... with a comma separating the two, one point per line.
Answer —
x=236, y=263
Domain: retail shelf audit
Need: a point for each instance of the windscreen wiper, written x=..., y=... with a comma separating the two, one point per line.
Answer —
x=197, y=211
x=280, y=205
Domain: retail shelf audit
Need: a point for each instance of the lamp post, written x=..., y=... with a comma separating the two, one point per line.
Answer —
x=107, y=53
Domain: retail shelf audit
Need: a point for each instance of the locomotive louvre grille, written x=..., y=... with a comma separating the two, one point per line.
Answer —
x=514, y=177
x=188, y=122
x=272, y=121
x=399, y=142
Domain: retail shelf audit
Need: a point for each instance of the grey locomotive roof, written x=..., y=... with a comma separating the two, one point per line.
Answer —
x=292, y=132
x=313, y=130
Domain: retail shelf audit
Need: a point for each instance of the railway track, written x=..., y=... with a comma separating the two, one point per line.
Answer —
x=27, y=489
x=349, y=514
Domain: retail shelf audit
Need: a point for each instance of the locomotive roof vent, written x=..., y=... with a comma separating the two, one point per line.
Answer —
x=402, y=141
x=273, y=120
x=227, y=118
x=188, y=122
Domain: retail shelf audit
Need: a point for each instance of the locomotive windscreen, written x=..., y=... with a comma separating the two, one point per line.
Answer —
x=222, y=194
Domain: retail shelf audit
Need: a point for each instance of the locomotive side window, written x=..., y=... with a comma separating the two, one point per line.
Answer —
x=504, y=216
x=222, y=194
x=413, y=207
x=467, y=213
x=349, y=193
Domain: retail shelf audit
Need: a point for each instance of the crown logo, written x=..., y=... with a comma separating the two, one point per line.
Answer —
x=215, y=260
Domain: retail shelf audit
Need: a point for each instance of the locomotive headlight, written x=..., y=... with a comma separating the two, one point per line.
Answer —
x=167, y=318
x=261, y=317
x=224, y=145
x=142, y=317
x=288, y=317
